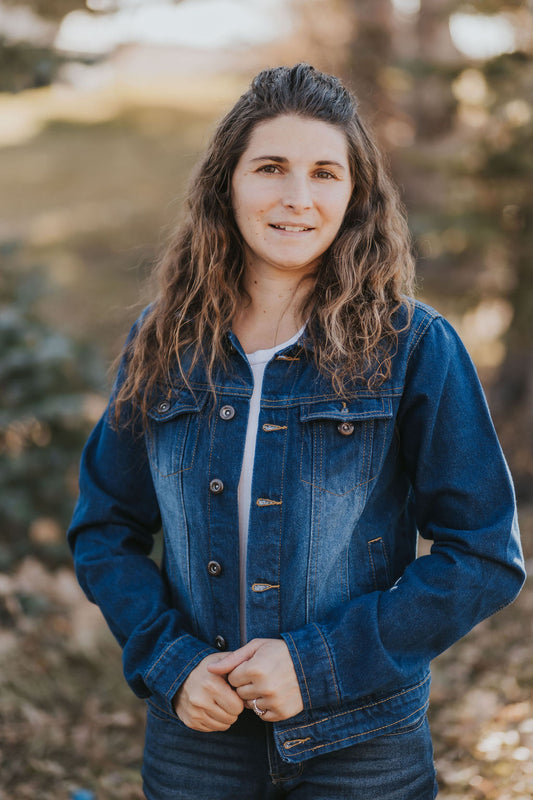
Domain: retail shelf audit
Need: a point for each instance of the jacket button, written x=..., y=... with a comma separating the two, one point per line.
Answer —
x=214, y=568
x=163, y=406
x=220, y=643
x=216, y=486
x=227, y=412
x=346, y=428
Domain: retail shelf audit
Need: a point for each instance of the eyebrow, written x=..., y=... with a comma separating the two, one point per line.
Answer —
x=282, y=160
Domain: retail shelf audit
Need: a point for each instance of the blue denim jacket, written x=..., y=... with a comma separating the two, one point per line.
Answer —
x=340, y=491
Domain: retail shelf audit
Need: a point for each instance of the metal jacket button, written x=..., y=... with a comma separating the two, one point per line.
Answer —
x=220, y=643
x=163, y=406
x=346, y=428
x=227, y=412
x=214, y=568
x=216, y=486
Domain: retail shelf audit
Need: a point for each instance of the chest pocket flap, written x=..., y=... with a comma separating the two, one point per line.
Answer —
x=172, y=437
x=343, y=443
x=372, y=407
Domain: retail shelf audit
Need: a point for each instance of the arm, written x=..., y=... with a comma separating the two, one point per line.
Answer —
x=111, y=536
x=464, y=502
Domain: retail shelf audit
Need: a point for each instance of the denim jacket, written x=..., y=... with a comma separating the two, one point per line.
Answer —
x=341, y=489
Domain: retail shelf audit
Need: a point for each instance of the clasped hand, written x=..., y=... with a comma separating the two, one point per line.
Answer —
x=217, y=690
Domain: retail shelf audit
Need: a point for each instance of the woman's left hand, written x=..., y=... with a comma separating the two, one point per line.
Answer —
x=263, y=671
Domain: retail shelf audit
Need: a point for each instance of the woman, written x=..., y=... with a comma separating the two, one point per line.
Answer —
x=292, y=419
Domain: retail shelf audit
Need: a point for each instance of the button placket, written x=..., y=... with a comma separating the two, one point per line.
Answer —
x=269, y=427
x=216, y=486
x=226, y=412
x=220, y=567
x=263, y=570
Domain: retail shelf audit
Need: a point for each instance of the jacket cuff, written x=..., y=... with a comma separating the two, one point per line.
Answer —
x=315, y=670
x=173, y=666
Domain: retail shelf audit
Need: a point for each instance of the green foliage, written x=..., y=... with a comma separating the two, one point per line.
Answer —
x=460, y=132
x=24, y=66
x=48, y=394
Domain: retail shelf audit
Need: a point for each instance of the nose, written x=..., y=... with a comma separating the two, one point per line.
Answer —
x=297, y=193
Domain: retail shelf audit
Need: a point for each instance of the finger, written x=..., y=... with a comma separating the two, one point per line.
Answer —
x=249, y=704
x=218, y=714
x=247, y=692
x=260, y=704
x=207, y=724
x=242, y=675
x=229, y=700
x=234, y=659
x=204, y=719
x=208, y=713
x=203, y=699
x=271, y=714
x=214, y=727
x=212, y=658
x=226, y=716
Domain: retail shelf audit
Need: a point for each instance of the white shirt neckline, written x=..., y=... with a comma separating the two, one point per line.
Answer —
x=263, y=356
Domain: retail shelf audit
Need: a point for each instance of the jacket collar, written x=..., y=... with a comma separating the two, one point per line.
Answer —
x=305, y=341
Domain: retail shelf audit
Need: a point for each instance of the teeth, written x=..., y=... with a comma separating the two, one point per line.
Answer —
x=291, y=228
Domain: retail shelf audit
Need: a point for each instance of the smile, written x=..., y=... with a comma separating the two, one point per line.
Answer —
x=291, y=228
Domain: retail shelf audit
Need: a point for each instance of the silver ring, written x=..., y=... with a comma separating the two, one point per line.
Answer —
x=258, y=711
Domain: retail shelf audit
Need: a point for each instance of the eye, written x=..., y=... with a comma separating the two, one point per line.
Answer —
x=325, y=174
x=269, y=169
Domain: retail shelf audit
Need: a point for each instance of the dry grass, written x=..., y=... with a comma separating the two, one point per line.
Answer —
x=68, y=720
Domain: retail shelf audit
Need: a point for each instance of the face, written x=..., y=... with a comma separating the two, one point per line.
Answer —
x=290, y=191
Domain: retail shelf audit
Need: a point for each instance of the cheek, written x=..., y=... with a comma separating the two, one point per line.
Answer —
x=340, y=211
x=243, y=206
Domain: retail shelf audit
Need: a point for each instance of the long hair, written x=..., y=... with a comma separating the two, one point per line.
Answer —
x=360, y=284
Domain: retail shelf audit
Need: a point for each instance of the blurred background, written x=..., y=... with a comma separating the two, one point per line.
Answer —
x=104, y=108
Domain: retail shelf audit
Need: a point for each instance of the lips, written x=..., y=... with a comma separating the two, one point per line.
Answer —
x=291, y=228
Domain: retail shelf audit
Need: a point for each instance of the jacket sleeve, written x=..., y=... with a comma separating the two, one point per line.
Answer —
x=464, y=502
x=111, y=537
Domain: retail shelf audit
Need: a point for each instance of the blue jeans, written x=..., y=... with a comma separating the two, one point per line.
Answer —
x=243, y=764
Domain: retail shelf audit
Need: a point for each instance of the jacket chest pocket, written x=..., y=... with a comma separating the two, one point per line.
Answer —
x=172, y=436
x=343, y=443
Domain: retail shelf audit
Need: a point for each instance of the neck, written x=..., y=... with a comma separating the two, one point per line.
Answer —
x=270, y=314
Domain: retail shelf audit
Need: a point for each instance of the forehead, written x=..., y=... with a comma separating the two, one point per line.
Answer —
x=291, y=136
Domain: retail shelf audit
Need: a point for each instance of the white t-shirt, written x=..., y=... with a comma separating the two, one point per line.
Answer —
x=258, y=362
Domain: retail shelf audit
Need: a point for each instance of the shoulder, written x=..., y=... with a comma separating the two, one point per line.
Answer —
x=428, y=345
x=414, y=317
x=417, y=321
x=139, y=322
x=123, y=360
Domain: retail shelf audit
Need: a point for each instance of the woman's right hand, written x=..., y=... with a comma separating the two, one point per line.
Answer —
x=206, y=702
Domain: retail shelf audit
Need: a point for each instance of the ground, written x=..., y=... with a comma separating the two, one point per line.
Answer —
x=68, y=720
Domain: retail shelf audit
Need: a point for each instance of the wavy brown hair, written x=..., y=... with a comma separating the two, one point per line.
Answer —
x=361, y=282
